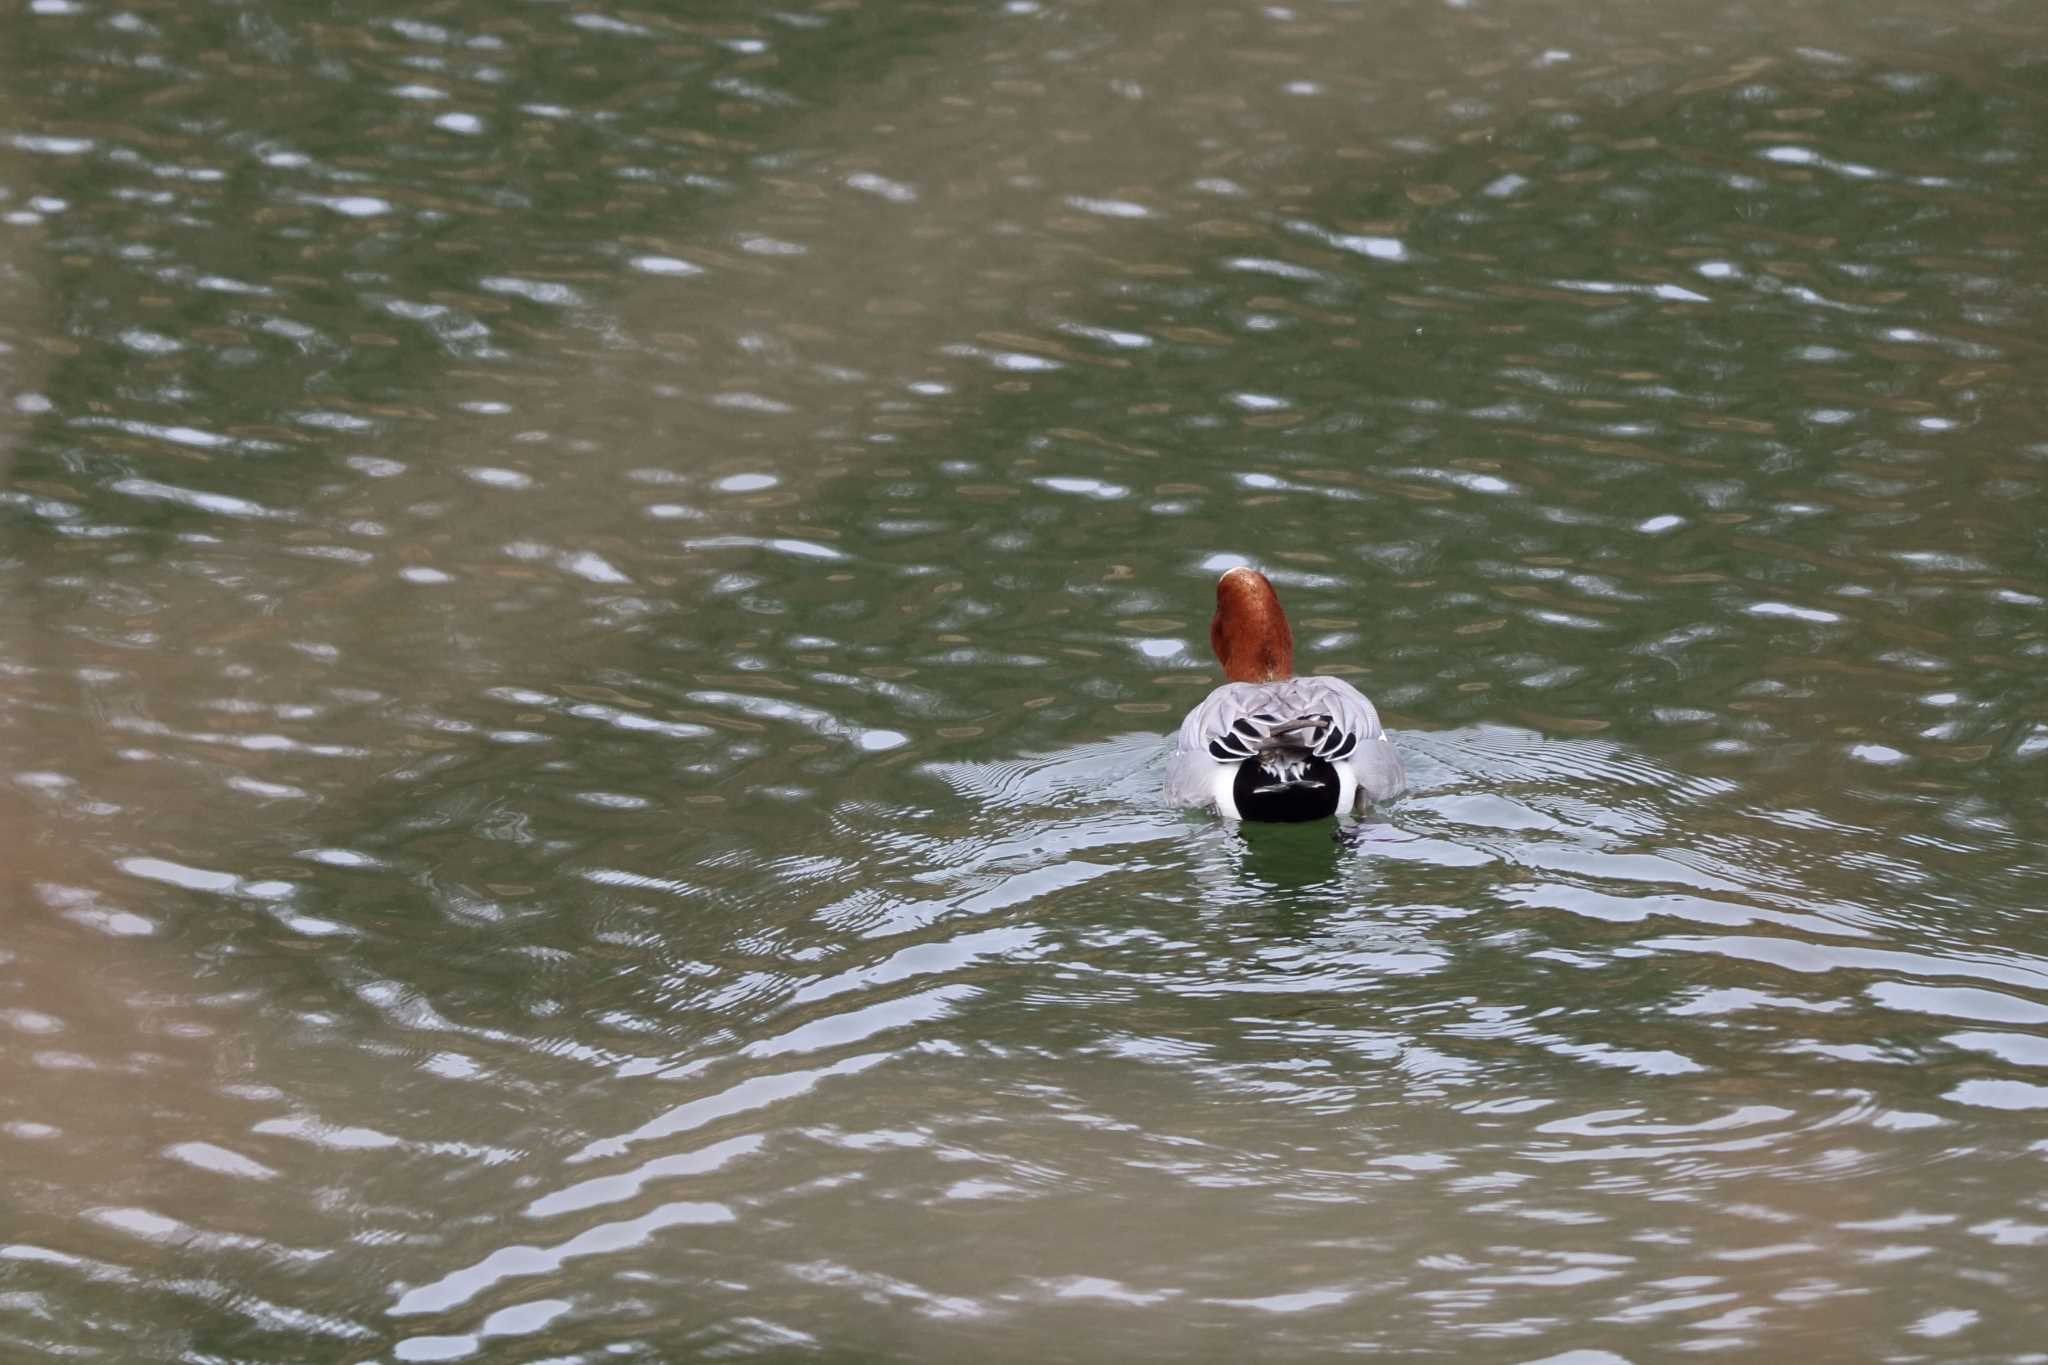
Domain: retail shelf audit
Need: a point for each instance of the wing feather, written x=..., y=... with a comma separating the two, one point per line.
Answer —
x=1327, y=716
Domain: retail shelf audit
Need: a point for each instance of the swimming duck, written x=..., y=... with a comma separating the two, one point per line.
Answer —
x=1268, y=745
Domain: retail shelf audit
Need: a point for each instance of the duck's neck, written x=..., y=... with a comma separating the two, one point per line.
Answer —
x=1250, y=633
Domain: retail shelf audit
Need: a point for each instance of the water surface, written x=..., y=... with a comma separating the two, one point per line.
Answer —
x=589, y=600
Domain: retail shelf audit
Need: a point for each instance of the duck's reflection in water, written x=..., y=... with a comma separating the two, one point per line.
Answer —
x=1288, y=860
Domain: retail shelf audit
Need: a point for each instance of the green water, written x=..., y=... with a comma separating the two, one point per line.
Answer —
x=589, y=601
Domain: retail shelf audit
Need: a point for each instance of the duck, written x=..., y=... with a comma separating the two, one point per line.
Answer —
x=1266, y=745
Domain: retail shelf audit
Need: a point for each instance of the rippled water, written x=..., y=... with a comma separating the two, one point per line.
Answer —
x=589, y=597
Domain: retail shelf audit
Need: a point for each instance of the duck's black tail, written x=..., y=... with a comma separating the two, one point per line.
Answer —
x=1285, y=783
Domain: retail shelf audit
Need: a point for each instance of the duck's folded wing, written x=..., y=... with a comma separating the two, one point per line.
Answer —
x=1354, y=715
x=1220, y=731
x=1379, y=771
x=1326, y=716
